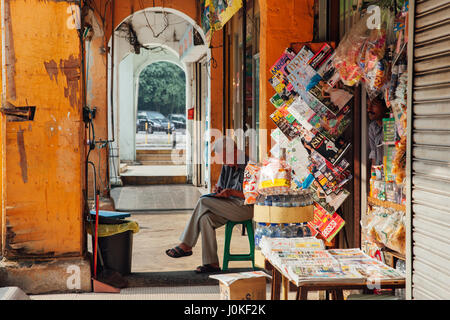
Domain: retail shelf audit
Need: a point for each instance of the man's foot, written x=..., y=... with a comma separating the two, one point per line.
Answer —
x=177, y=252
x=208, y=268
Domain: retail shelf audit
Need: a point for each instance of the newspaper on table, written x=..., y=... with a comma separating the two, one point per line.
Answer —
x=229, y=278
x=306, y=260
x=269, y=245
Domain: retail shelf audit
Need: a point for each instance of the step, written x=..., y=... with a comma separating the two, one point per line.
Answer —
x=155, y=180
x=162, y=163
x=162, y=157
x=164, y=151
x=123, y=168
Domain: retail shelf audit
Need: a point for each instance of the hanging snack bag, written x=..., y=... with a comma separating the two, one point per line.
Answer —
x=274, y=177
x=348, y=53
x=250, y=183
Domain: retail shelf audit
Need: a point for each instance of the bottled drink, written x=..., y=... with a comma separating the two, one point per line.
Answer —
x=268, y=201
x=276, y=232
x=276, y=201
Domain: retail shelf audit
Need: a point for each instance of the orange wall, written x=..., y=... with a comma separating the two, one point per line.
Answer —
x=44, y=157
x=282, y=23
x=216, y=94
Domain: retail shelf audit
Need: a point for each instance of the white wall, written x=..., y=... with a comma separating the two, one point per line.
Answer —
x=127, y=135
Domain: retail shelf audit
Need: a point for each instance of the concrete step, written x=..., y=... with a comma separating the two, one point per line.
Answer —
x=164, y=151
x=123, y=168
x=161, y=163
x=152, y=180
x=159, y=157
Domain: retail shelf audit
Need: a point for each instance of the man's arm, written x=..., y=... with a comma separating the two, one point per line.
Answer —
x=227, y=193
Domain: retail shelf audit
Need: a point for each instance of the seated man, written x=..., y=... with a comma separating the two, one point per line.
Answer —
x=214, y=210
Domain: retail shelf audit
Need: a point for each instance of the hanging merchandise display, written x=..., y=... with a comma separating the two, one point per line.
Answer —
x=376, y=57
x=306, y=172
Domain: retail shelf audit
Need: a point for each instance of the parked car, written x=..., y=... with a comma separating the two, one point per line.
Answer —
x=179, y=120
x=157, y=117
x=141, y=121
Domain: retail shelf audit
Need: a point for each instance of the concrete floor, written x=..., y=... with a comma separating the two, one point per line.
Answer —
x=155, y=171
x=155, y=198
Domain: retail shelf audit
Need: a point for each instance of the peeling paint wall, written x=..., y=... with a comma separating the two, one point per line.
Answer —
x=278, y=31
x=44, y=158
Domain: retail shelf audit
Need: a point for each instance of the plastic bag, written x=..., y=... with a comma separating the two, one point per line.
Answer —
x=107, y=230
x=250, y=183
x=348, y=53
x=274, y=177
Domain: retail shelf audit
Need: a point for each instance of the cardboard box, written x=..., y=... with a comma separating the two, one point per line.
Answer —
x=259, y=259
x=272, y=214
x=242, y=286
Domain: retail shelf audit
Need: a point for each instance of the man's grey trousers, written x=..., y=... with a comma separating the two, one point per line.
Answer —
x=209, y=214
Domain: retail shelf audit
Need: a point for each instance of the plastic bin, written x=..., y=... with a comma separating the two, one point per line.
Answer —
x=115, y=243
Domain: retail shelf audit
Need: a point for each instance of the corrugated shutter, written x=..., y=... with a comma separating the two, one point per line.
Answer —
x=430, y=197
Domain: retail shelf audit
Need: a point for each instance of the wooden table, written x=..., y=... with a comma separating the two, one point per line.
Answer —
x=336, y=288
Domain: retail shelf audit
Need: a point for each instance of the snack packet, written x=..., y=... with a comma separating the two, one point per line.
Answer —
x=274, y=177
x=250, y=183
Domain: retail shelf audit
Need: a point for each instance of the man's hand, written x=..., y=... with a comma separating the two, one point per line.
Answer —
x=216, y=189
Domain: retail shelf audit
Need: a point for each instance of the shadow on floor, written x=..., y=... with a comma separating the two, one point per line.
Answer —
x=176, y=278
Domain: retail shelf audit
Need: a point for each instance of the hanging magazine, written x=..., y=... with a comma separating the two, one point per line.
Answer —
x=279, y=68
x=331, y=202
x=328, y=225
x=330, y=178
x=331, y=151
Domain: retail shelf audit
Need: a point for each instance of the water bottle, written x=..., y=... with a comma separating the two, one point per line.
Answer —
x=259, y=233
x=276, y=201
x=260, y=200
x=268, y=201
x=306, y=231
x=299, y=230
x=266, y=231
x=284, y=231
x=276, y=232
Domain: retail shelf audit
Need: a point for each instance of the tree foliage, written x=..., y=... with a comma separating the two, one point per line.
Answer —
x=162, y=88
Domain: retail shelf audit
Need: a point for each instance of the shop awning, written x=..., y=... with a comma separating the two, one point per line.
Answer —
x=215, y=13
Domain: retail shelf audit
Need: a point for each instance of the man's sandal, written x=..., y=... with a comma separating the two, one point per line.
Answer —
x=177, y=252
x=207, y=268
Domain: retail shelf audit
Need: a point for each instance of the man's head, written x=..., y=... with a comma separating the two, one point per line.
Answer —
x=376, y=109
x=225, y=149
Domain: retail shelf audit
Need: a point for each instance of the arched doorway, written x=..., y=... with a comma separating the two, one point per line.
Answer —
x=136, y=45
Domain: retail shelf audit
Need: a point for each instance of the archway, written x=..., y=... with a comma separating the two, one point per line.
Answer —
x=133, y=40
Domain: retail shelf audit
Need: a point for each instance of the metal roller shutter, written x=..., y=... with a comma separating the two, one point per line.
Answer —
x=430, y=151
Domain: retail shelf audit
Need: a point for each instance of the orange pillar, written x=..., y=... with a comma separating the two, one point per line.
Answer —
x=217, y=106
x=282, y=23
x=43, y=180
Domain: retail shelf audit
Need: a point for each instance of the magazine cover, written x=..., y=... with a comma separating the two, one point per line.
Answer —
x=301, y=75
x=327, y=225
x=303, y=113
x=321, y=56
x=285, y=90
x=331, y=202
x=276, y=100
x=334, y=98
x=278, y=69
x=331, y=151
x=290, y=130
x=328, y=72
x=330, y=178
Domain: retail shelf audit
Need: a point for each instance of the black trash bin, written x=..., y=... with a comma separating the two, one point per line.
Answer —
x=116, y=249
x=116, y=252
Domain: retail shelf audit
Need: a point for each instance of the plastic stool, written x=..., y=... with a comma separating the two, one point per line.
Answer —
x=227, y=256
